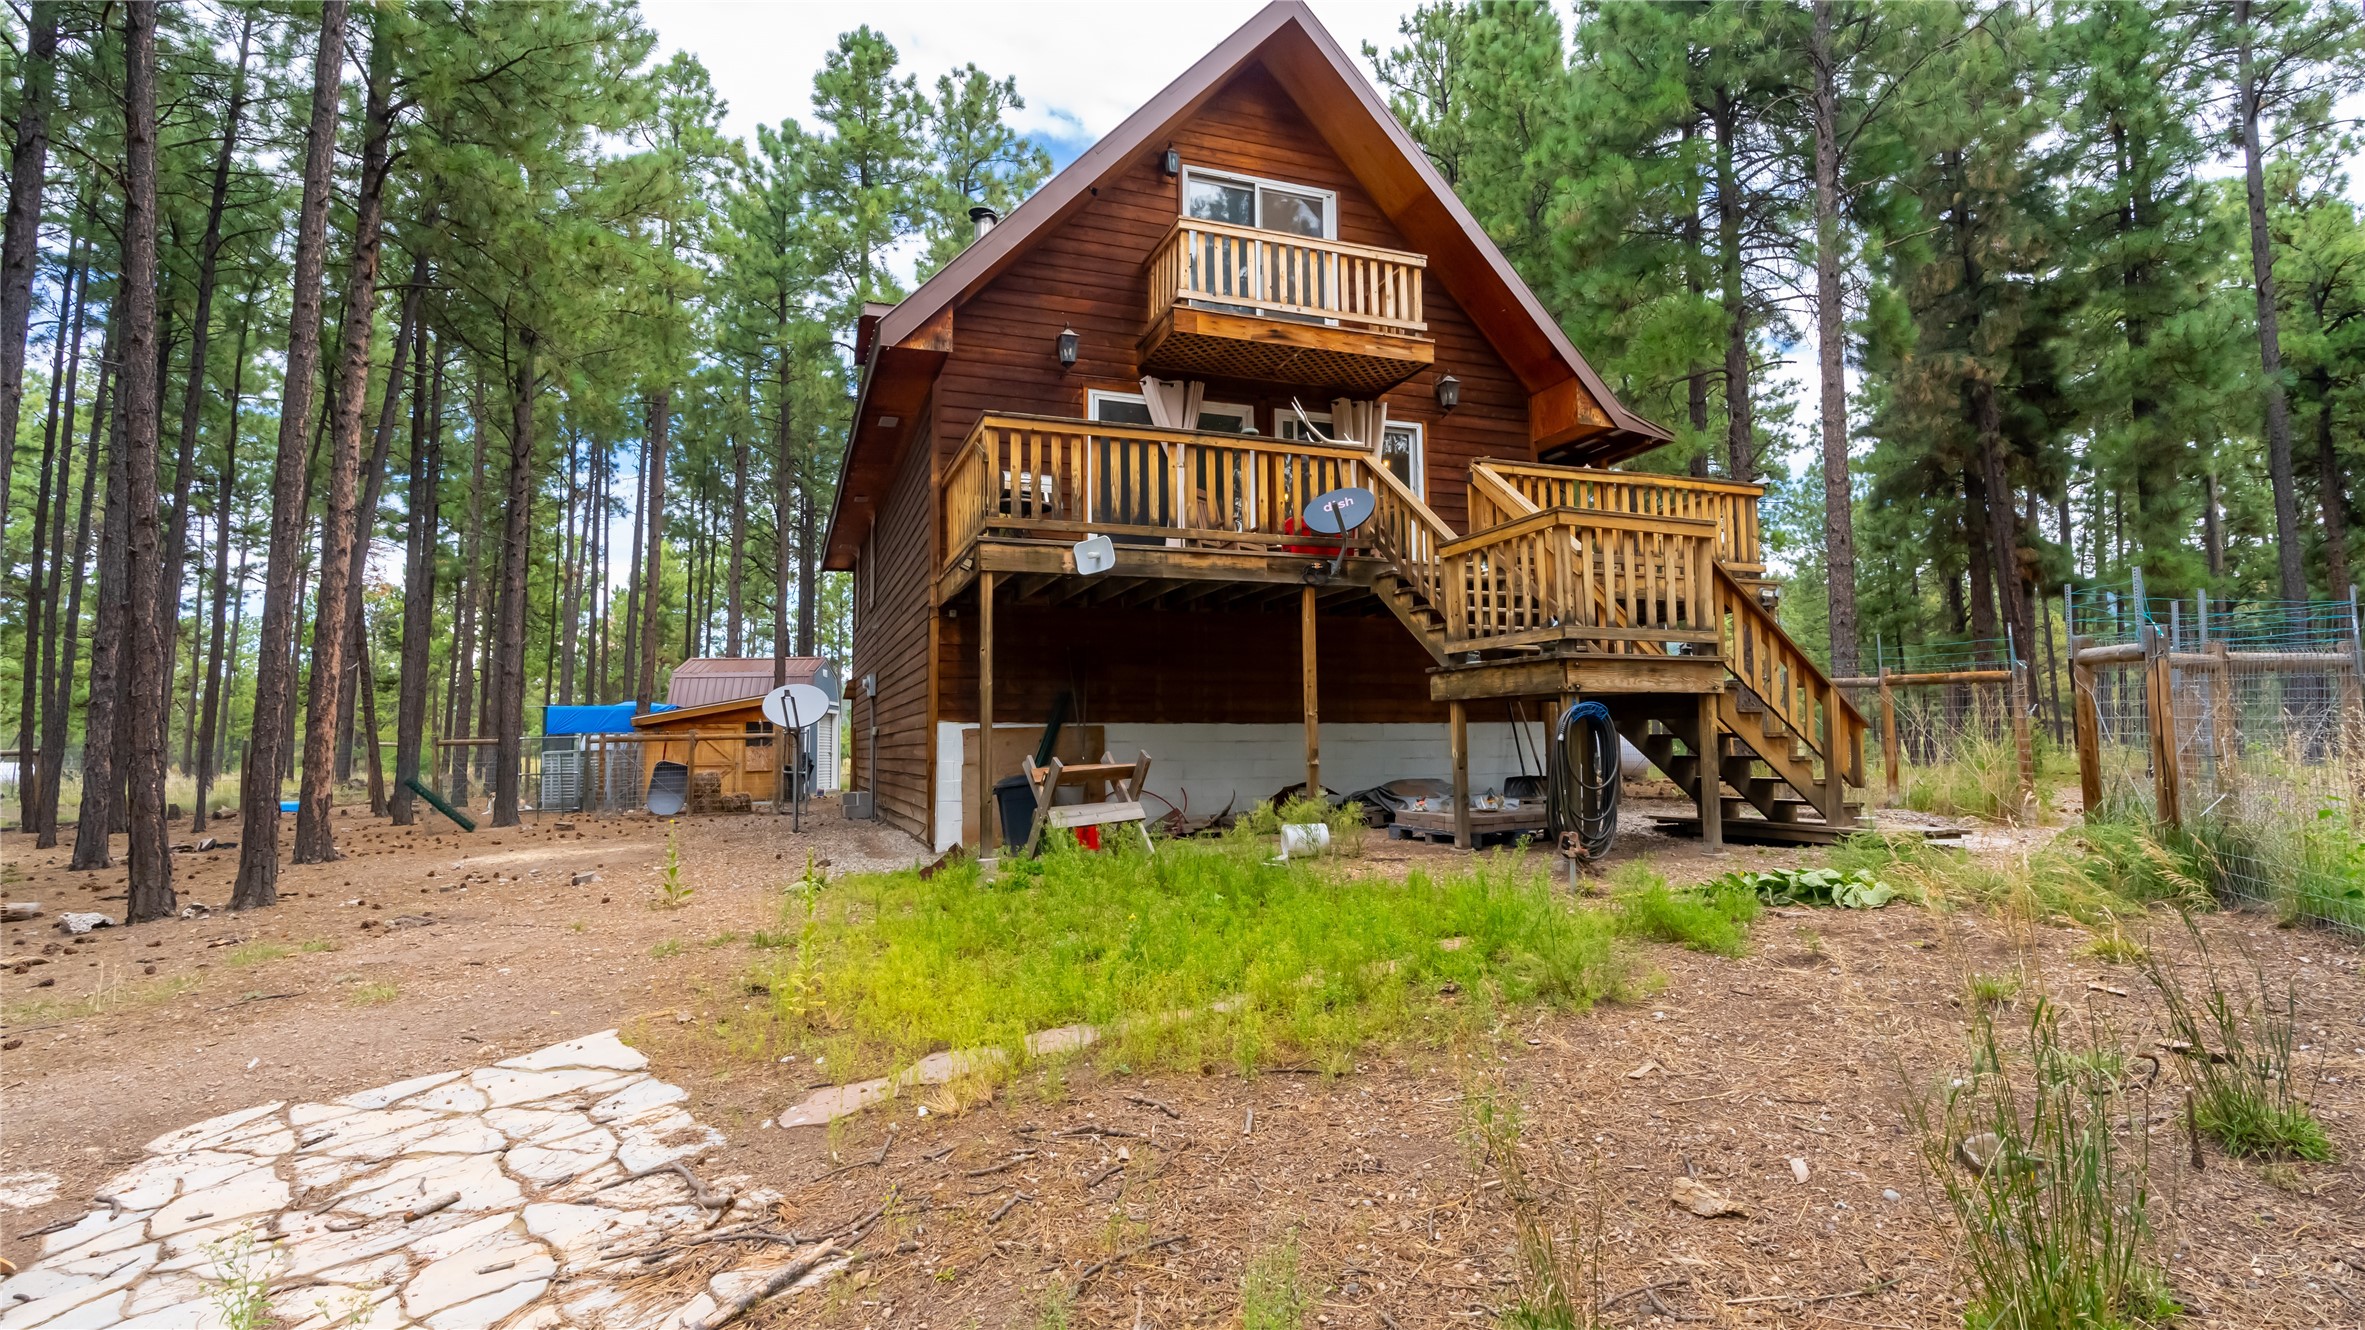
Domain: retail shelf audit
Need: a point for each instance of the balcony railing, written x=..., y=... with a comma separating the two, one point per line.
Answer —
x=1613, y=582
x=1733, y=507
x=1242, y=270
x=1044, y=475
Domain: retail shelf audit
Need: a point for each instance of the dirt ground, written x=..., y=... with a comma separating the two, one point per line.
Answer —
x=1148, y=1197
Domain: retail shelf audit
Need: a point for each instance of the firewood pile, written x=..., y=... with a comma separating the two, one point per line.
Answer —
x=707, y=795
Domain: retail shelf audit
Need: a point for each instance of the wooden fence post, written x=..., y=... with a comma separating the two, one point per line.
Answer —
x=1306, y=621
x=1890, y=748
x=2159, y=712
x=1458, y=739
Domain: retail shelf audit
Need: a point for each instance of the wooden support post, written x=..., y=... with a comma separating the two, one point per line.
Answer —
x=2225, y=734
x=1711, y=791
x=1459, y=730
x=2159, y=711
x=1891, y=748
x=2023, y=740
x=1313, y=720
x=1835, y=763
x=986, y=819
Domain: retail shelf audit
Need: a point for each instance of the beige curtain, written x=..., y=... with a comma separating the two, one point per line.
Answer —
x=1356, y=422
x=1174, y=403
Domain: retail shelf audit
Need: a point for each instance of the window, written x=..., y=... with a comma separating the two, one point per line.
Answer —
x=1131, y=409
x=1400, y=452
x=1268, y=205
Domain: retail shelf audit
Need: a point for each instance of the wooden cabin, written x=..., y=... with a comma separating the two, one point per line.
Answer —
x=1254, y=291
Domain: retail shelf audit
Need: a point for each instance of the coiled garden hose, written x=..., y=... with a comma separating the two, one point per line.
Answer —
x=1582, y=780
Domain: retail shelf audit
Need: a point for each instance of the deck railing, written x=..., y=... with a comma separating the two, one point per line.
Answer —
x=1785, y=679
x=1613, y=582
x=1733, y=507
x=1273, y=274
x=1065, y=478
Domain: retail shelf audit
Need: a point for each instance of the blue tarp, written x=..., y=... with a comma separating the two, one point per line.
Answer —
x=614, y=718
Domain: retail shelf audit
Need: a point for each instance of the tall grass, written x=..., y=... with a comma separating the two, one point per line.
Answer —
x=2056, y=1216
x=2239, y=1039
x=1714, y=917
x=1206, y=954
x=2095, y=873
x=1559, y=1275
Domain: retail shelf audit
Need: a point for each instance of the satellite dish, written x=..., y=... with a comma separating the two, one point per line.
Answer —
x=1095, y=554
x=795, y=706
x=1340, y=511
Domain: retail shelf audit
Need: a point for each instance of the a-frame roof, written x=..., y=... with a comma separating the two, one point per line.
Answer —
x=1347, y=111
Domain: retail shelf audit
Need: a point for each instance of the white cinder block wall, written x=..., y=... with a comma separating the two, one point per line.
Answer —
x=1242, y=764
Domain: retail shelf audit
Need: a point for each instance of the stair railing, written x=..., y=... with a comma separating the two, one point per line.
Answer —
x=1790, y=685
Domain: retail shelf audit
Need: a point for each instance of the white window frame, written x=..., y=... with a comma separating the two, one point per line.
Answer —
x=1258, y=183
x=1286, y=425
x=1420, y=453
x=1093, y=397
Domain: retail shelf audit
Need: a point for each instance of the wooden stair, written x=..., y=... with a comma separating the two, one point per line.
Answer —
x=1768, y=774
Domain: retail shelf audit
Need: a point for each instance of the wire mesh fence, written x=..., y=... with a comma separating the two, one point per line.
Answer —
x=2243, y=727
x=1952, y=728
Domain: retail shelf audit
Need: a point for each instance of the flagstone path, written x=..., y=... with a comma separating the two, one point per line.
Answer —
x=523, y=1195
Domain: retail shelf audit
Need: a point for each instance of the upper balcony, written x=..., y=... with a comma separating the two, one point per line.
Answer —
x=1237, y=302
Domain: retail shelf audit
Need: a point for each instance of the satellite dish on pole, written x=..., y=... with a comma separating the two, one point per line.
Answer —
x=795, y=706
x=1095, y=554
x=1341, y=510
x=1337, y=513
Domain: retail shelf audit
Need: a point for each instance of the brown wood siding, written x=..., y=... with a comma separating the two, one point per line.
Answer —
x=892, y=632
x=1087, y=274
x=1149, y=666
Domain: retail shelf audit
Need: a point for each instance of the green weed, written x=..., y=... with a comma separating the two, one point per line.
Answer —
x=1203, y=955
x=2055, y=1210
x=2239, y=1040
x=1712, y=918
x=376, y=994
x=256, y=953
x=1271, y=1297
x=672, y=892
x=1992, y=990
x=1345, y=821
x=2094, y=874
x=1857, y=890
x=671, y=946
x=2116, y=948
x=1559, y=1276
x=240, y=1288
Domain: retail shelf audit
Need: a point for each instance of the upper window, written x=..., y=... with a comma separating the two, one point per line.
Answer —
x=1400, y=443
x=1132, y=409
x=1269, y=205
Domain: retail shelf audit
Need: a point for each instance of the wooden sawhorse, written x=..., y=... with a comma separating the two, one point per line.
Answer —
x=1122, y=805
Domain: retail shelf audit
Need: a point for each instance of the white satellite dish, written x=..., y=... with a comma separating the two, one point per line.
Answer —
x=1095, y=554
x=795, y=706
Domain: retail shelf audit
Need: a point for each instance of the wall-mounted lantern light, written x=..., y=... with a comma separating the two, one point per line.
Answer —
x=1067, y=348
x=1172, y=163
x=1449, y=393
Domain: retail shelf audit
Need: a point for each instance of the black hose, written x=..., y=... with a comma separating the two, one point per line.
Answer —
x=1584, y=774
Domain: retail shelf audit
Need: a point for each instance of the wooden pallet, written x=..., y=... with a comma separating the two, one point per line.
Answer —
x=1491, y=827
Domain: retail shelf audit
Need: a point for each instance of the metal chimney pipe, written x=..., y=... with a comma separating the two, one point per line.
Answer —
x=983, y=218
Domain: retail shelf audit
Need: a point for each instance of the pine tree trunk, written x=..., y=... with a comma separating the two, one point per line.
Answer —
x=422, y=495
x=342, y=523
x=2330, y=493
x=366, y=516
x=469, y=593
x=148, y=660
x=1740, y=427
x=784, y=490
x=102, y=713
x=56, y=470
x=60, y=700
x=20, y=241
x=1839, y=505
x=734, y=611
x=2292, y=575
x=660, y=429
x=258, y=848
x=1981, y=564
x=509, y=656
x=209, y=711
x=209, y=249
x=807, y=507
x=632, y=572
x=2003, y=523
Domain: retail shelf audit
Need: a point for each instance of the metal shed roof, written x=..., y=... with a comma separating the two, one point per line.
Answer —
x=708, y=679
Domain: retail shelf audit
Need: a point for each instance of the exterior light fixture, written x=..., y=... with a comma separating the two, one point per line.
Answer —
x=1449, y=392
x=1173, y=163
x=1067, y=348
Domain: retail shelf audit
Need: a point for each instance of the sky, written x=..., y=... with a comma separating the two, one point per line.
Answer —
x=1081, y=67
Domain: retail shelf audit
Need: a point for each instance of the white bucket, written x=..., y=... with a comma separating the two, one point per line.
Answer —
x=1303, y=838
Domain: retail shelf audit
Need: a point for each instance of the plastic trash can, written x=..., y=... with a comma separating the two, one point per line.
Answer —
x=1016, y=800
